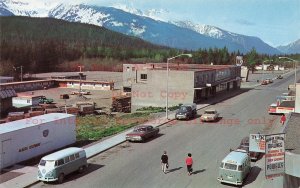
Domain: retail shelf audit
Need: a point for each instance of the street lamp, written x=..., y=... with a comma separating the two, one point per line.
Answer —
x=167, y=97
x=263, y=65
x=295, y=80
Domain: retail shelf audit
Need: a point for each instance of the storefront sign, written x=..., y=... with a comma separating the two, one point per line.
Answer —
x=257, y=143
x=275, y=159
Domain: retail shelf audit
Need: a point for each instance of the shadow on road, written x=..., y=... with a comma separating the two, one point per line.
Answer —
x=252, y=175
x=154, y=137
x=198, y=171
x=174, y=169
x=75, y=175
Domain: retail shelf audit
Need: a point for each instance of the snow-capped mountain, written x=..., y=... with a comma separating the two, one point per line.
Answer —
x=183, y=35
x=291, y=48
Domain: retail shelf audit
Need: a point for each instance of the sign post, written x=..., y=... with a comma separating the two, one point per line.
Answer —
x=275, y=155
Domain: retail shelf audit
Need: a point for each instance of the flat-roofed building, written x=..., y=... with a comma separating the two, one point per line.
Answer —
x=6, y=79
x=6, y=96
x=187, y=83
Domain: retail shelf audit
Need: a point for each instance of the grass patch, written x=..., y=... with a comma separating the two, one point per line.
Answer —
x=97, y=127
x=151, y=109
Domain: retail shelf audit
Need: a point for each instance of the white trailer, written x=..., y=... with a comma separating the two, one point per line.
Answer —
x=27, y=138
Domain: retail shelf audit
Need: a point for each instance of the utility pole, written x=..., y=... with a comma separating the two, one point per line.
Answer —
x=20, y=67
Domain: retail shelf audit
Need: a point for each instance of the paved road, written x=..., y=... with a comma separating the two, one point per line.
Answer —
x=131, y=165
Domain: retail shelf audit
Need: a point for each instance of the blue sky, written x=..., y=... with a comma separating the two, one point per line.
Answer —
x=277, y=22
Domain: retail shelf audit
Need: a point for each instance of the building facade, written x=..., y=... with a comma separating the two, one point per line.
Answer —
x=187, y=83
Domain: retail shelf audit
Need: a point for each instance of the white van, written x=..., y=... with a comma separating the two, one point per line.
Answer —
x=234, y=168
x=56, y=166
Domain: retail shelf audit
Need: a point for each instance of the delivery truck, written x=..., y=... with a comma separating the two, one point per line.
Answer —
x=27, y=138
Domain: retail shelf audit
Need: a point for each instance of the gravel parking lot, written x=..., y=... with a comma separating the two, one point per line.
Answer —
x=101, y=98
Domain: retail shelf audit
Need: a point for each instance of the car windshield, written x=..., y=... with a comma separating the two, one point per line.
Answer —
x=183, y=109
x=139, y=129
x=49, y=163
x=230, y=166
x=210, y=112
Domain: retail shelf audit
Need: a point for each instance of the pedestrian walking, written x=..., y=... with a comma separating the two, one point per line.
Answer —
x=282, y=119
x=189, y=164
x=164, y=162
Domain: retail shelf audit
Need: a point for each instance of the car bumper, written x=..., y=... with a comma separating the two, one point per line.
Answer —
x=47, y=179
x=181, y=117
x=132, y=139
x=207, y=119
x=229, y=182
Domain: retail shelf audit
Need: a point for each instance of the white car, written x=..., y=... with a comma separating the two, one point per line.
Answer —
x=82, y=92
x=210, y=115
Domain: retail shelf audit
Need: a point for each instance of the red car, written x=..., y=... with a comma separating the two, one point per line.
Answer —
x=142, y=133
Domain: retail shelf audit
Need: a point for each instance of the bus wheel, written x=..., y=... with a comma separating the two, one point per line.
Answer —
x=81, y=169
x=61, y=178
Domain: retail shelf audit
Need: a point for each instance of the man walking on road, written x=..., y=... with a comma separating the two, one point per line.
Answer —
x=164, y=162
x=282, y=119
x=189, y=164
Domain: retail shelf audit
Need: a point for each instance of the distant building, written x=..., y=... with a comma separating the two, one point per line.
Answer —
x=6, y=96
x=25, y=101
x=6, y=79
x=86, y=84
x=188, y=83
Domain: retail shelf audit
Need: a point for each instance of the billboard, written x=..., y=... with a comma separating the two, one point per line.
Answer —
x=257, y=143
x=275, y=155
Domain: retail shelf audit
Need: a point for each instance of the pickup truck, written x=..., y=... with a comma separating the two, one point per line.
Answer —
x=142, y=133
x=186, y=111
x=44, y=100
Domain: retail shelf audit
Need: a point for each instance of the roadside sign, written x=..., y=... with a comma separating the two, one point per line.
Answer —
x=275, y=155
x=257, y=143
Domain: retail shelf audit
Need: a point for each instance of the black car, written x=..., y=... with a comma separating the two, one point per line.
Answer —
x=279, y=77
x=244, y=145
x=185, y=112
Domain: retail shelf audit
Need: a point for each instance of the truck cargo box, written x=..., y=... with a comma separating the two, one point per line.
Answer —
x=27, y=138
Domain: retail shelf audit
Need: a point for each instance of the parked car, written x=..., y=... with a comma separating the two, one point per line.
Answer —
x=142, y=133
x=210, y=115
x=55, y=166
x=186, y=111
x=279, y=76
x=44, y=100
x=269, y=80
x=80, y=92
x=234, y=168
x=264, y=82
x=244, y=146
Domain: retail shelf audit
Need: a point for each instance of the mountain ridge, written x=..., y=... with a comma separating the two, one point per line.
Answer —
x=151, y=30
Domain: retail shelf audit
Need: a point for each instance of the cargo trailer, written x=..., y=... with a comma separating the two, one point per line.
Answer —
x=27, y=138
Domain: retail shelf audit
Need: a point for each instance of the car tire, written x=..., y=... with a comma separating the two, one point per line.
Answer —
x=61, y=178
x=81, y=169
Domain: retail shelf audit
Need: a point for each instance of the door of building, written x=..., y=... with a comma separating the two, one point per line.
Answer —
x=6, y=158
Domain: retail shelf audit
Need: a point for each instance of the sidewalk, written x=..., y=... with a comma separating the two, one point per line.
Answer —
x=29, y=177
x=261, y=181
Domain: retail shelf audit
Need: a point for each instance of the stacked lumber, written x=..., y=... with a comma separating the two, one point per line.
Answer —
x=121, y=104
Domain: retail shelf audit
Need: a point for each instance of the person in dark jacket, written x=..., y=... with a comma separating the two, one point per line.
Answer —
x=164, y=162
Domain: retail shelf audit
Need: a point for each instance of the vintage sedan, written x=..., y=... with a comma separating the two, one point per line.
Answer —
x=81, y=92
x=244, y=145
x=210, y=115
x=142, y=133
